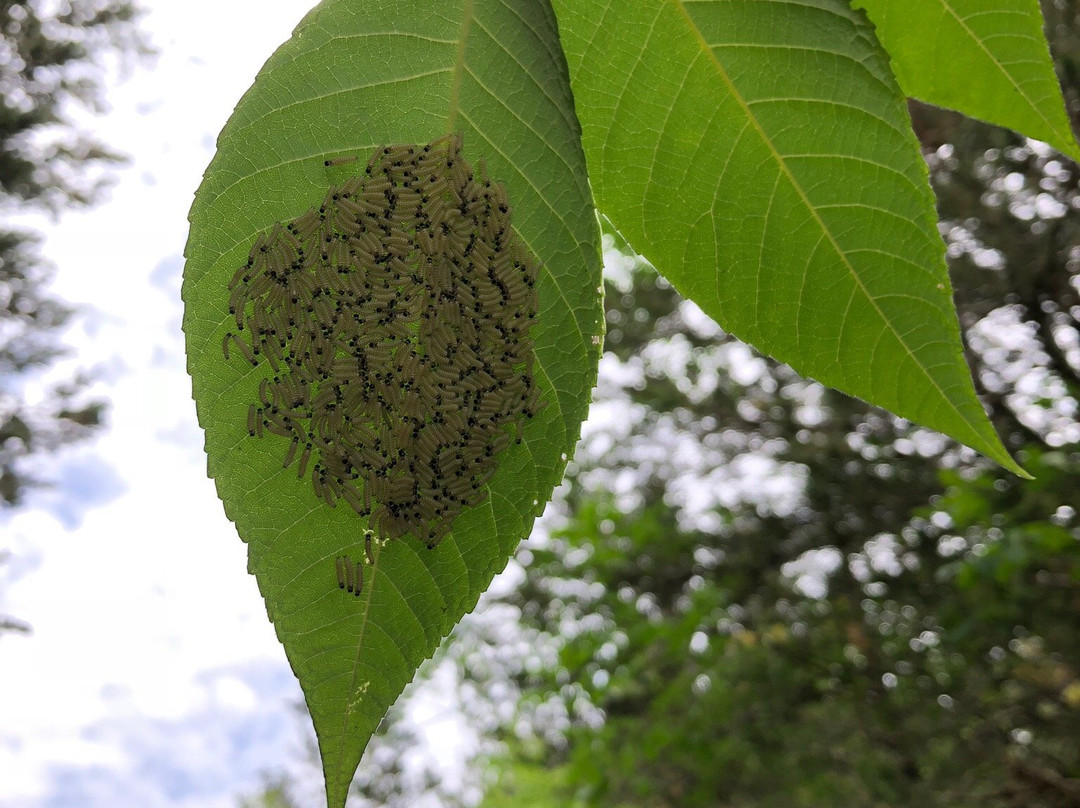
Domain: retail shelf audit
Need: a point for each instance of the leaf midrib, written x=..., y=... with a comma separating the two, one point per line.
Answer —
x=451, y=120
x=1001, y=67
x=723, y=74
x=467, y=15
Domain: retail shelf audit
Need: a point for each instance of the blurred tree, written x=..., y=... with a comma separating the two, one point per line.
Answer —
x=53, y=58
x=274, y=793
x=397, y=770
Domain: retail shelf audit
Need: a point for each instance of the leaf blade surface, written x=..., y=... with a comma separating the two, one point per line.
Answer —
x=985, y=58
x=759, y=154
x=353, y=77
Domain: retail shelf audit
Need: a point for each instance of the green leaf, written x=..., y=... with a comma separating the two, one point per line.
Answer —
x=355, y=76
x=759, y=154
x=985, y=58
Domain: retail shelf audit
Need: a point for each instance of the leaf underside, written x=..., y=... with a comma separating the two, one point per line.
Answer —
x=985, y=58
x=354, y=77
x=759, y=154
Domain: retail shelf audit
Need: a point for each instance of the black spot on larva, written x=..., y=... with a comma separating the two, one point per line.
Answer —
x=395, y=319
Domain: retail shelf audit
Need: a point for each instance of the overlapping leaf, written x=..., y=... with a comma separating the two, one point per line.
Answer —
x=758, y=152
x=354, y=76
x=986, y=58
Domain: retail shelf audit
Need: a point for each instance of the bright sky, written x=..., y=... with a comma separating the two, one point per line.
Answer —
x=152, y=677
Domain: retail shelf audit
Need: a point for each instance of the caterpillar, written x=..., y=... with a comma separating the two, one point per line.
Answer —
x=343, y=579
x=350, y=575
x=339, y=161
x=394, y=318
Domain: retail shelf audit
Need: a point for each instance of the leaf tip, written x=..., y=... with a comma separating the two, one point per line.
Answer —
x=1000, y=455
x=1018, y=470
x=336, y=794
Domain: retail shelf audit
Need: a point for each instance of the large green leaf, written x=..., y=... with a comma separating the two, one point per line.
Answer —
x=759, y=154
x=986, y=58
x=354, y=76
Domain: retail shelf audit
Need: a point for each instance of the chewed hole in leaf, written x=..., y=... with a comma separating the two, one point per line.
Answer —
x=393, y=320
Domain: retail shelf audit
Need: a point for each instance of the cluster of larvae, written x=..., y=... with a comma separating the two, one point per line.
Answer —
x=394, y=321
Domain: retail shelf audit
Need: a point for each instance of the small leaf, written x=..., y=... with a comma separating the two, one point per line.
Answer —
x=984, y=58
x=355, y=76
x=759, y=154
